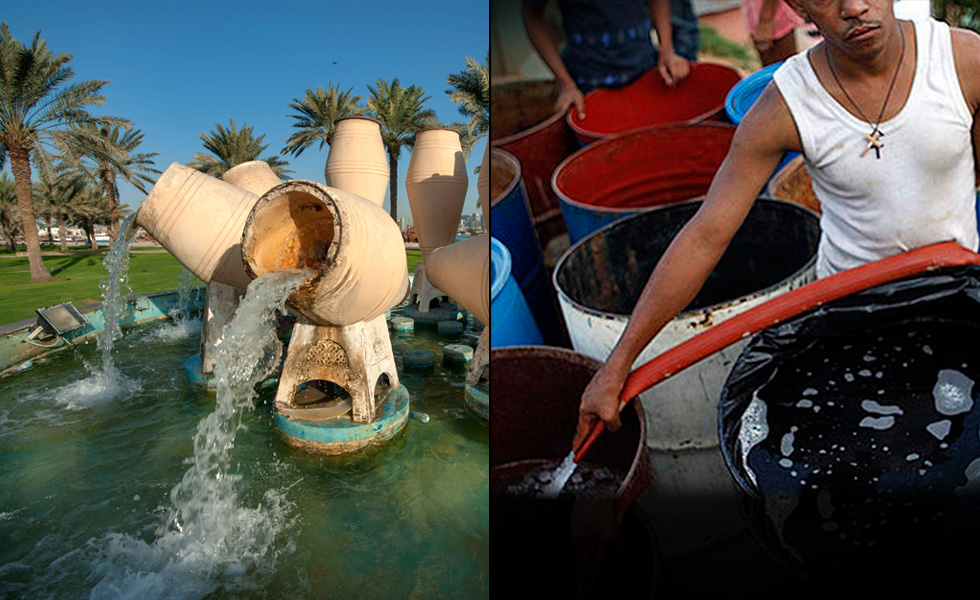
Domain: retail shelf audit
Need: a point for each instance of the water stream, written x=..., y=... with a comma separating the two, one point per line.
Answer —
x=172, y=493
x=105, y=381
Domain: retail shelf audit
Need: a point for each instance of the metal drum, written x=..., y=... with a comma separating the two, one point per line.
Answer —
x=526, y=124
x=615, y=178
x=599, y=281
x=648, y=101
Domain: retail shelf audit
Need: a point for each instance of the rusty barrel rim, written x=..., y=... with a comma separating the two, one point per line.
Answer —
x=511, y=161
x=639, y=473
x=495, y=142
x=599, y=145
x=625, y=222
x=698, y=70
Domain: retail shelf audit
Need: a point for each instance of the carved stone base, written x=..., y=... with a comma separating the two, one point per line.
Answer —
x=352, y=356
x=423, y=292
x=480, y=366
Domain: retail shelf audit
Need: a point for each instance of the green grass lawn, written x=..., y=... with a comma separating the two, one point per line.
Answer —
x=414, y=257
x=79, y=276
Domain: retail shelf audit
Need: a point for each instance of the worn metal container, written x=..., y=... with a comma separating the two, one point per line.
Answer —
x=544, y=545
x=649, y=101
x=526, y=124
x=599, y=281
x=637, y=171
x=511, y=225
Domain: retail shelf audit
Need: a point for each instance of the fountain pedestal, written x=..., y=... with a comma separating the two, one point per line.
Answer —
x=423, y=292
x=353, y=357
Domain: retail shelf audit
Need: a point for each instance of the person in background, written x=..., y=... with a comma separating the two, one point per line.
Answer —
x=772, y=25
x=607, y=44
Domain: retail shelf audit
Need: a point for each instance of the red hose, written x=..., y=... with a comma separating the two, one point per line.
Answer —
x=785, y=306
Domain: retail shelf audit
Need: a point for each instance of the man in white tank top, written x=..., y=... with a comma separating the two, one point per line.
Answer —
x=884, y=112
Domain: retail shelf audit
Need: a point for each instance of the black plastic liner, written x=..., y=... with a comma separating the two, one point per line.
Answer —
x=871, y=444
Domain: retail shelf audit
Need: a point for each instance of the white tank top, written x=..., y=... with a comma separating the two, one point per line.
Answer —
x=919, y=192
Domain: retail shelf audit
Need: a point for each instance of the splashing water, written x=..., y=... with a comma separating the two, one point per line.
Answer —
x=182, y=325
x=106, y=381
x=208, y=540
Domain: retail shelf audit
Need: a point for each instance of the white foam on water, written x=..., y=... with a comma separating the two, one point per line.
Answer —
x=175, y=331
x=848, y=377
x=880, y=423
x=810, y=392
x=786, y=443
x=880, y=409
x=207, y=540
x=785, y=463
x=912, y=457
x=805, y=403
x=181, y=325
x=927, y=349
x=953, y=392
x=753, y=429
x=939, y=429
x=864, y=373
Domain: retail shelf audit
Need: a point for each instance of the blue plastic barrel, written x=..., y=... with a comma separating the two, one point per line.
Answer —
x=511, y=323
x=741, y=98
x=512, y=225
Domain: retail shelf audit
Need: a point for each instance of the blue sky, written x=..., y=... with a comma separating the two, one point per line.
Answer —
x=177, y=68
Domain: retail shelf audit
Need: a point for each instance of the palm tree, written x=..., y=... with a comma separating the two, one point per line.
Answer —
x=53, y=196
x=233, y=146
x=105, y=154
x=35, y=107
x=400, y=112
x=89, y=208
x=471, y=91
x=316, y=114
x=9, y=220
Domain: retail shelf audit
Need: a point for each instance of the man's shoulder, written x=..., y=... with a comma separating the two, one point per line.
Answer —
x=966, y=55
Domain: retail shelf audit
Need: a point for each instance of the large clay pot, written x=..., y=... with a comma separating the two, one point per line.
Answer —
x=357, y=162
x=255, y=176
x=462, y=270
x=352, y=243
x=200, y=220
x=436, y=186
x=483, y=188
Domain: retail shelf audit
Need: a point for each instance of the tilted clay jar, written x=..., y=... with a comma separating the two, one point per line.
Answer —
x=255, y=176
x=462, y=270
x=200, y=220
x=352, y=243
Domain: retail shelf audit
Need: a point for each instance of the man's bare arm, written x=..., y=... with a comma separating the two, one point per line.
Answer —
x=766, y=132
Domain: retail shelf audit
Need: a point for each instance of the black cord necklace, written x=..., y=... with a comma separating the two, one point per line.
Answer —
x=873, y=138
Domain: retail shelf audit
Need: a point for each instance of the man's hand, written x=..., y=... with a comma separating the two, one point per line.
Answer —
x=569, y=95
x=673, y=68
x=600, y=400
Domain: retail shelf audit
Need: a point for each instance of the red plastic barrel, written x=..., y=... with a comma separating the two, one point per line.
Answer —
x=637, y=171
x=526, y=125
x=648, y=101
